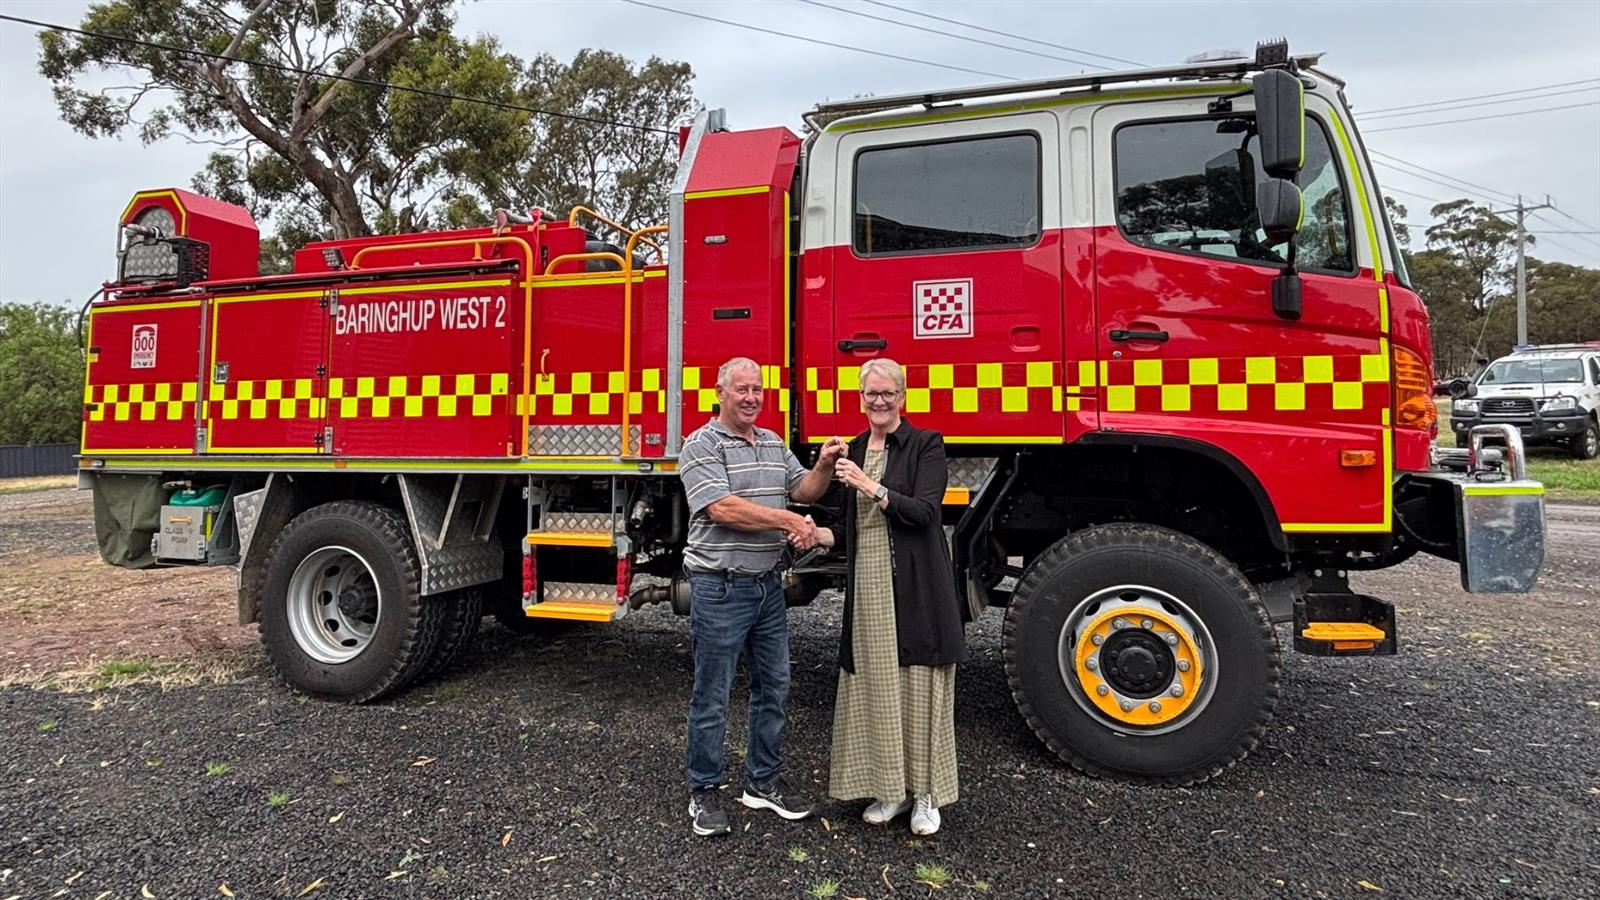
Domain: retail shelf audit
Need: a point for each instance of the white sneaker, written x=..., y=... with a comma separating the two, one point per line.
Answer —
x=881, y=813
x=925, y=818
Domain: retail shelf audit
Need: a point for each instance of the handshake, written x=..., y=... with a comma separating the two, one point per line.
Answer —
x=803, y=533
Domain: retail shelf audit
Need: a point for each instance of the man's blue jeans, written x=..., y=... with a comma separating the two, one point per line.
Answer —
x=731, y=615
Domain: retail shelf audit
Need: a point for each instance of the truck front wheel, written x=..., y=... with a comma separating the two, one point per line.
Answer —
x=1139, y=652
x=1587, y=445
x=340, y=613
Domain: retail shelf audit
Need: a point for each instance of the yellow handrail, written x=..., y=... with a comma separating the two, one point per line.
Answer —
x=477, y=245
x=627, y=334
x=575, y=257
x=572, y=219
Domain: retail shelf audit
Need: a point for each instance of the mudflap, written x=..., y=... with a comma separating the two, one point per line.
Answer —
x=1344, y=625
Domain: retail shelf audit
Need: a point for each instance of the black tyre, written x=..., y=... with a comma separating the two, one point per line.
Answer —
x=458, y=632
x=1586, y=445
x=1139, y=652
x=340, y=614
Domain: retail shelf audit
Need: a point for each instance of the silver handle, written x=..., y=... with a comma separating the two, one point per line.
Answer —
x=1516, y=459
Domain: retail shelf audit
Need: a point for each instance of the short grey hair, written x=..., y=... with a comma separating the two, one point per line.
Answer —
x=883, y=367
x=735, y=364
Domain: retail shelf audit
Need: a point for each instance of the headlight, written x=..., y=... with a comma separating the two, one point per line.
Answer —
x=1559, y=404
x=1470, y=407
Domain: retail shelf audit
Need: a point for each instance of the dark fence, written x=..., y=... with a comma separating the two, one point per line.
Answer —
x=18, y=461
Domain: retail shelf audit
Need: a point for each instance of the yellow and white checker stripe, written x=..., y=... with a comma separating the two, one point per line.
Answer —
x=160, y=401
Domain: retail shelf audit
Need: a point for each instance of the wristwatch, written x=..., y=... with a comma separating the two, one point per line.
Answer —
x=880, y=494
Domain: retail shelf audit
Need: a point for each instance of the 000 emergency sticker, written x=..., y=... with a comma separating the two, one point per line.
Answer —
x=942, y=309
x=144, y=347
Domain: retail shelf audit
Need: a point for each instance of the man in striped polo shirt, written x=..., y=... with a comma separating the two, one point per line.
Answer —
x=739, y=480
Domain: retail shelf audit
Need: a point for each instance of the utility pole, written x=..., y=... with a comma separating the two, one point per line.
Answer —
x=1522, y=268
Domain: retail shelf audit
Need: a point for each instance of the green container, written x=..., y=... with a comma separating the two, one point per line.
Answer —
x=210, y=499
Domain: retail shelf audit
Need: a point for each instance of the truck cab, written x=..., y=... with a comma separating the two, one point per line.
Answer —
x=1550, y=394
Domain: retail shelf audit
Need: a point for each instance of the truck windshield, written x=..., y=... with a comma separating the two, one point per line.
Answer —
x=1533, y=371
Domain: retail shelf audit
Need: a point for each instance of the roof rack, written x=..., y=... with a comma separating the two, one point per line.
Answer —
x=1225, y=68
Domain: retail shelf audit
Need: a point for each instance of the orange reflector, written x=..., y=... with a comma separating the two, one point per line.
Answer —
x=1355, y=459
x=1413, y=392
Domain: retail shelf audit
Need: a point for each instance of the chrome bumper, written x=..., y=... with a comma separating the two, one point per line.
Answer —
x=1498, y=511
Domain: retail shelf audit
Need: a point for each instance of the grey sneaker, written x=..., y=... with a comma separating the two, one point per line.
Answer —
x=777, y=798
x=705, y=812
x=882, y=813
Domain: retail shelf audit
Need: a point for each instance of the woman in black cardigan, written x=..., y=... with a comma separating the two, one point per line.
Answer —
x=894, y=721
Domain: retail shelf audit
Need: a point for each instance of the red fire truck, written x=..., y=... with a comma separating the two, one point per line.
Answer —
x=1159, y=316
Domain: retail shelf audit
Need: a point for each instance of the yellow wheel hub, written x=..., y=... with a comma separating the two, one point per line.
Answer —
x=1178, y=693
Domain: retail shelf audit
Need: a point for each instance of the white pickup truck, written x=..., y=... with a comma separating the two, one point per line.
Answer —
x=1551, y=393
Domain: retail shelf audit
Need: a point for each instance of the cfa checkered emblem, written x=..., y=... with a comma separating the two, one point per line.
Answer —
x=943, y=309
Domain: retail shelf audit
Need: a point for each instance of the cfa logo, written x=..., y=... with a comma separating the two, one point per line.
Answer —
x=144, y=347
x=942, y=309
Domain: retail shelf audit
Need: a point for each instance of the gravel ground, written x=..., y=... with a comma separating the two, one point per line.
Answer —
x=1465, y=767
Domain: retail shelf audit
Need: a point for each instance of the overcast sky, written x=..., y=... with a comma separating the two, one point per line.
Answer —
x=60, y=193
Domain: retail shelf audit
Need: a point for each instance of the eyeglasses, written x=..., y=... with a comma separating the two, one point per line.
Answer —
x=880, y=396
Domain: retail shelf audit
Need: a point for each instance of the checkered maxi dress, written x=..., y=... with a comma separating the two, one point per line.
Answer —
x=893, y=726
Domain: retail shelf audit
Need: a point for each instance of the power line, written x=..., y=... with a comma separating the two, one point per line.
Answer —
x=1407, y=162
x=293, y=70
x=1542, y=87
x=1566, y=215
x=1585, y=235
x=1525, y=112
x=1369, y=117
x=1562, y=231
x=812, y=40
x=1433, y=181
x=1395, y=190
x=1018, y=37
x=959, y=37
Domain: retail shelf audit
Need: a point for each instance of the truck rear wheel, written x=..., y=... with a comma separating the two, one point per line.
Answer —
x=463, y=612
x=340, y=613
x=1139, y=652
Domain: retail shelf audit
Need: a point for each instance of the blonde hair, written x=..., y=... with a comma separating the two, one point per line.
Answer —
x=883, y=367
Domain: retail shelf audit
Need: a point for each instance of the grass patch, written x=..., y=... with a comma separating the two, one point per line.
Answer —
x=1567, y=478
x=47, y=725
x=277, y=799
x=798, y=854
x=212, y=668
x=827, y=887
x=36, y=483
x=217, y=770
x=115, y=667
x=934, y=875
x=450, y=691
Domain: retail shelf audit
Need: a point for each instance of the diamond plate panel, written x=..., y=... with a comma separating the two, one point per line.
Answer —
x=575, y=521
x=968, y=472
x=246, y=513
x=578, y=592
x=579, y=440
x=461, y=566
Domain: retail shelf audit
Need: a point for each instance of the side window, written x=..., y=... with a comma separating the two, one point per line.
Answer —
x=969, y=194
x=1594, y=369
x=1190, y=185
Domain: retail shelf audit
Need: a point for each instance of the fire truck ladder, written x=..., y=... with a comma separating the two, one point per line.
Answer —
x=576, y=533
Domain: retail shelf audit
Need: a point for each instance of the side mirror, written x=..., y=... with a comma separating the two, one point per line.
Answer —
x=1280, y=101
x=1281, y=207
x=1460, y=388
